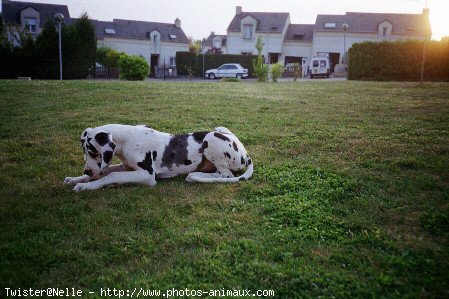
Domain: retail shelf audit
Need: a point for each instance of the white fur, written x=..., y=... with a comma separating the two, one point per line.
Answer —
x=135, y=147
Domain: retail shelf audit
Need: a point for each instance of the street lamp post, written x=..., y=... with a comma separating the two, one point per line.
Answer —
x=59, y=17
x=345, y=28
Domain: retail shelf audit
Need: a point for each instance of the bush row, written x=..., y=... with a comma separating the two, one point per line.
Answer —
x=39, y=59
x=186, y=61
x=398, y=61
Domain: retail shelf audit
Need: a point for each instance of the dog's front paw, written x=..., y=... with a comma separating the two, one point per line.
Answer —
x=190, y=178
x=70, y=181
x=83, y=186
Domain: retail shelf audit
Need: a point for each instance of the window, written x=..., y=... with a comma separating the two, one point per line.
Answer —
x=31, y=24
x=109, y=31
x=217, y=43
x=385, y=31
x=248, y=31
x=173, y=36
x=155, y=38
x=232, y=67
x=322, y=63
x=298, y=36
x=223, y=67
x=274, y=28
x=330, y=25
x=172, y=61
x=315, y=63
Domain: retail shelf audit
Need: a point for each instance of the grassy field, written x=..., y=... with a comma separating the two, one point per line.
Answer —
x=350, y=195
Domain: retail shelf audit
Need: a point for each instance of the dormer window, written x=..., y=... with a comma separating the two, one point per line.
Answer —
x=274, y=28
x=330, y=25
x=248, y=31
x=385, y=31
x=298, y=36
x=173, y=36
x=155, y=38
x=31, y=24
x=109, y=31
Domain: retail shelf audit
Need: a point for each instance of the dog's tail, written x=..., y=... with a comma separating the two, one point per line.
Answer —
x=244, y=177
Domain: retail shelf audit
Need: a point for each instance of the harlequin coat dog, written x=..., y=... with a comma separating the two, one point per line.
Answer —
x=147, y=154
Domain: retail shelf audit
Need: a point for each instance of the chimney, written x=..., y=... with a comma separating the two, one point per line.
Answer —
x=178, y=23
x=211, y=33
x=426, y=19
x=238, y=10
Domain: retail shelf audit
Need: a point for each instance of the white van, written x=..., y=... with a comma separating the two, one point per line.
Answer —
x=319, y=66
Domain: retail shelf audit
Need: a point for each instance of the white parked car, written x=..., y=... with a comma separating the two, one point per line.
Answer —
x=231, y=70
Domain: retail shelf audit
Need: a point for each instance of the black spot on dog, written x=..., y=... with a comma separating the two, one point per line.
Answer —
x=221, y=136
x=91, y=148
x=154, y=155
x=88, y=172
x=112, y=145
x=102, y=138
x=187, y=162
x=235, y=146
x=242, y=161
x=82, y=142
x=199, y=136
x=107, y=156
x=93, y=155
x=99, y=165
x=203, y=147
x=146, y=163
x=241, y=179
x=249, y=161
x=147, y=126
x=175, y=153
x=227, y=155
x=85, y=133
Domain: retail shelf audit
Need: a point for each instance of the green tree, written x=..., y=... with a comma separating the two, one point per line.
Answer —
x=260, y=69
x=194, y=45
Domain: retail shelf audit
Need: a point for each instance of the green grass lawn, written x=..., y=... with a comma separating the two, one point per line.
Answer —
x=350, y=195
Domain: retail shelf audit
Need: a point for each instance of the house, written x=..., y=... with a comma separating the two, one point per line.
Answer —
x=214, y=41
x=331, y=35
x=156, y=42
x=29, y=16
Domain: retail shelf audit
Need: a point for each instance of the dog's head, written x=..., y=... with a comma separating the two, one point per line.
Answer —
x=98, y=148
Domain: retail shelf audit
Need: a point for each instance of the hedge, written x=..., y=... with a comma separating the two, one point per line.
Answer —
x=184, y=60
x=398, y=61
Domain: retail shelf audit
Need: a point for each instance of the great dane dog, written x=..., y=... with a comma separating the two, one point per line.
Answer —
x=147, y=154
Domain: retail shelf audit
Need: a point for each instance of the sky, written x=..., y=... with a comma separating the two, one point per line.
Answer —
x=200, y=17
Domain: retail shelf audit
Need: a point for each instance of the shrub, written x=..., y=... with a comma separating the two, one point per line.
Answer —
x=398, y=61
x=297, y=71
x=276, y=71
x=133, y=67
x=112, y=58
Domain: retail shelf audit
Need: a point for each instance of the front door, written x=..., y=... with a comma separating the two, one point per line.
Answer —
x=273, y=57
x=154, y=63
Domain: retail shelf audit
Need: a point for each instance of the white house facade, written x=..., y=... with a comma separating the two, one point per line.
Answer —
x=156, y=42
x=331, y=35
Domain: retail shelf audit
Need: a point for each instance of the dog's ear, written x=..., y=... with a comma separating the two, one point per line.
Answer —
x=106, y=148
x=83, y=139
